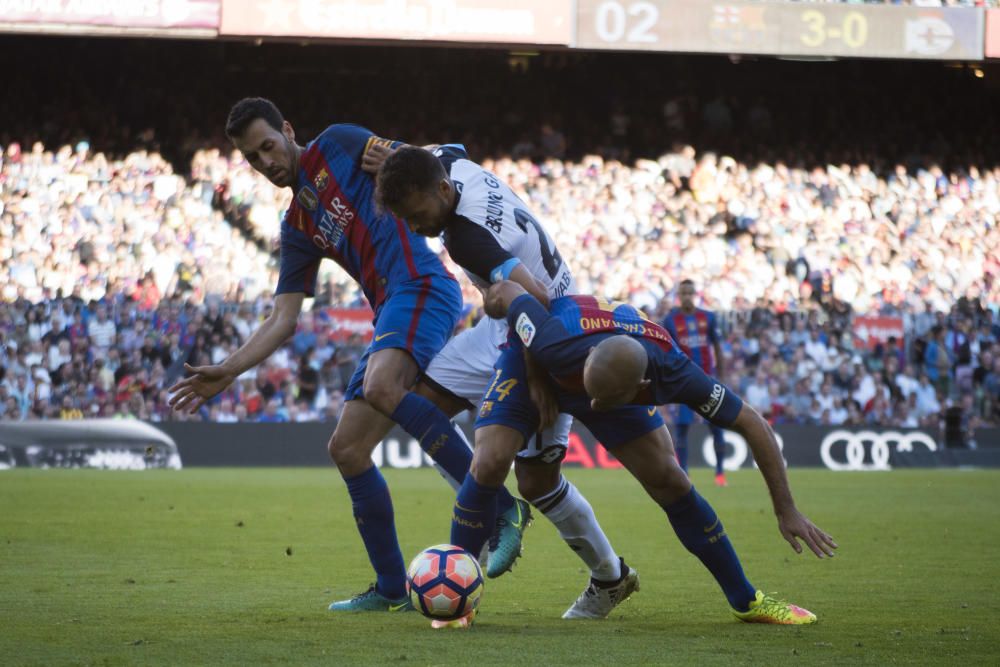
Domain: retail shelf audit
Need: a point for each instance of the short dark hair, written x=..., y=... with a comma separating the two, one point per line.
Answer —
x=409, y=169
x=247, y=111
x=686, y=281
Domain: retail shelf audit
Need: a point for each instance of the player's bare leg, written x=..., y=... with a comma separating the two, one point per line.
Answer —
x=360, y=429
x=651, y=460
x=390, y=375
x=475, y=507
x=611, y=580
x=505, y=544
x=389, y=378
x=475, y=511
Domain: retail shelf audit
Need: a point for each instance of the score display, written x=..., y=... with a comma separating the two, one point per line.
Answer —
x=781, y=28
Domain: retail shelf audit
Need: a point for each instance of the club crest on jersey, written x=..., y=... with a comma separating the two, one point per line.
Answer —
x=525, y=329
x=308, y=199
x=322, y=179
x=486, y=409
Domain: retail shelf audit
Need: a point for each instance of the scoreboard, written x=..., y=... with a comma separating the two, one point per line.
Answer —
x=765, y=27
x=781, y=28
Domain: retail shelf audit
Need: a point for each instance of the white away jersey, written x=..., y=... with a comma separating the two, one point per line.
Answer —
x=493, y=230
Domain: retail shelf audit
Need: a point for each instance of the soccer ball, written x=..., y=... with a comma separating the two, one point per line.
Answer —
x=444, y=582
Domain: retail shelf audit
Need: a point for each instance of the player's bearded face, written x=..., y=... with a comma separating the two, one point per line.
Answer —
x=269, y=151
x=425, y=213
x=686, y=294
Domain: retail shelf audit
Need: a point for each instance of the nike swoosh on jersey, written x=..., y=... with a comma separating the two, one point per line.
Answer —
x=385, y=335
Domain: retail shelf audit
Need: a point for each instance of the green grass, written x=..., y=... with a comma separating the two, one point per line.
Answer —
x=191, y=568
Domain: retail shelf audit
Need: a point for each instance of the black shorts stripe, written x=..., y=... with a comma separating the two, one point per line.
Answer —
x=444, y=391
x=552, y=501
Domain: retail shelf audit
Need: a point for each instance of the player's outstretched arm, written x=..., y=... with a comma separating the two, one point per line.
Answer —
x=792, y=524
x=204, y=382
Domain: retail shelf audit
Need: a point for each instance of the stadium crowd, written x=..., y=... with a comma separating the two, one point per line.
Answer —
x=117, y=267
x=115, y=273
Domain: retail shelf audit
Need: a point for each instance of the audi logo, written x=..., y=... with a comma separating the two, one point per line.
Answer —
x=868, y=450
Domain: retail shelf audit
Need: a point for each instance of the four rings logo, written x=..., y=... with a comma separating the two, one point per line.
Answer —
x=868, y=450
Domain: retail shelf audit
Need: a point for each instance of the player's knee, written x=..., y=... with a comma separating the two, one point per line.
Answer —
x=489, y=468
x=350, y=458
x=382, y=394
x=664, y=480
x=535, y=480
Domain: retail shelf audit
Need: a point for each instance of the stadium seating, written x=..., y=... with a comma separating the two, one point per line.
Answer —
x=791, y=229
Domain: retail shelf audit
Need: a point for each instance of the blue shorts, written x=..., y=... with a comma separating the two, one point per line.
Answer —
x=418, y=316
x=508, y=402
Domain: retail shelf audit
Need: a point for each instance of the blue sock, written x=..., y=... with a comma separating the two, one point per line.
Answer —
x=437, y=436
x=701, y=533
x=719, y=442
x=474, y=516
x=373, y=513
x=682, y=445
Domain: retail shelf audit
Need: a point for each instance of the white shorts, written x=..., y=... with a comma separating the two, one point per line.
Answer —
x=465, y=368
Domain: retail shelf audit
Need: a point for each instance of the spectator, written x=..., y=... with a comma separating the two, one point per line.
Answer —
x=758, y=394
x=102, y=331
x=273, y=412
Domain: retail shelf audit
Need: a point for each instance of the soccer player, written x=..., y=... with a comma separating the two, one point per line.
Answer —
x=696, y=332
x=416, y=303
x=609, y=365
x=490, y=232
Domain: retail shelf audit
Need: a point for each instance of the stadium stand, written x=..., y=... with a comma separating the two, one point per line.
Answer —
x=132, y=239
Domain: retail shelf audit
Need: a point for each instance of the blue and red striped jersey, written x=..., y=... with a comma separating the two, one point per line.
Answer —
x=333, y=215
x=696, y=333
x=585, y=315
x=560, y=338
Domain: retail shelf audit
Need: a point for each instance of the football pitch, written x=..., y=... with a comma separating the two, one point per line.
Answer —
x=236, y=566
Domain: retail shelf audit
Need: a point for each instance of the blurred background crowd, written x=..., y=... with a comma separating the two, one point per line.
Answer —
x=133, y=239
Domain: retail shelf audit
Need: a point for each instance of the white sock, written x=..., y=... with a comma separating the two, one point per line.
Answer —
x=574, y=519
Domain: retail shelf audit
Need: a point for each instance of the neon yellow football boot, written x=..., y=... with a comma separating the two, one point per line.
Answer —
x=462, y=623
x=769, y=609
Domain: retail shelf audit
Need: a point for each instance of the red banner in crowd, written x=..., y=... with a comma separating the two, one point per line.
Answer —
x=492, y=21
x=870, y=330
x=144, y=16
x=347, y=321
x=992, y=45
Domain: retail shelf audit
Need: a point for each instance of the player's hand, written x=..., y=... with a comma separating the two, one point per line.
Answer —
x=499, y=297
x=794, y=526
x=203, y=383
x=374, y=157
